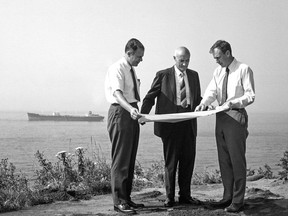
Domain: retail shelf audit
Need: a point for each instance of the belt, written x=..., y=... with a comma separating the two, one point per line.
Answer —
x=237, y=109
x=116, y=104
x=188, y=106
x=180, y=108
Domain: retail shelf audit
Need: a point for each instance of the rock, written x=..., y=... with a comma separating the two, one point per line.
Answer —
x=255, y=177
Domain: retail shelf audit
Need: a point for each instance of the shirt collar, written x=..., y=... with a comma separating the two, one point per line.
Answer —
x=178, y=72
x=232, y=64
x=126, y=63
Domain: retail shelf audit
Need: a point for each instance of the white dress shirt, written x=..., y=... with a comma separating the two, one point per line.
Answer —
x=178, y=79
x=119, y=77
x=240, y=86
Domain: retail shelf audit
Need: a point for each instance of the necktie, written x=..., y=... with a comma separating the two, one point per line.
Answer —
x=224, y=88
x=183, y=99
x=135, y=86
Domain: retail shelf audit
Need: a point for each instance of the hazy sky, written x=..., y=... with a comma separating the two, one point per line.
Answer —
x=54, y=54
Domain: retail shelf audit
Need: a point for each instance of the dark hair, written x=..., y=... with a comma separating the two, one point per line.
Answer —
x=222, y=45
x=133, y=44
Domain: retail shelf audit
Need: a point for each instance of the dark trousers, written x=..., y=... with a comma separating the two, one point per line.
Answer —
x=179, y=149
x=124, y=136
x=231, y=135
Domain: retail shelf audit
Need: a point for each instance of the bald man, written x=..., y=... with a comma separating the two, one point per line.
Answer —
x=177, y=90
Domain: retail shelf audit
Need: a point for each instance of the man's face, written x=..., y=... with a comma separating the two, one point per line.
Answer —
x=136, y=57
x=182, y=61
x=223, y=59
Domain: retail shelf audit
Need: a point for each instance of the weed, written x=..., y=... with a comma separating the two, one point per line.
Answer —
x=266, y=172
x=284, y=164
x=207, y=178
x=155, y=173
x=14, y=188
x=250, y=172
x=77, y=176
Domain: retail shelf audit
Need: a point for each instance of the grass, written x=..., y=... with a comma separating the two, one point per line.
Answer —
x=75, y=176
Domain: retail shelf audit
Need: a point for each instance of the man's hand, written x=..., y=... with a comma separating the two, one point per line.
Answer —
x=201, y=107
x=141, y=121
x=134, y=113
x=227, y=106
x=210, y=107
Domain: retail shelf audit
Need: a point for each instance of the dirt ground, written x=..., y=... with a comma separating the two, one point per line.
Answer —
x=263, y=197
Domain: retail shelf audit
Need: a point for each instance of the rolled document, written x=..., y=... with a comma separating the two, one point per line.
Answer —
x=177, y=117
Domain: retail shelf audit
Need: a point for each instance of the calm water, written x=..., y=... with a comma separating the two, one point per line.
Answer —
x=20, y=139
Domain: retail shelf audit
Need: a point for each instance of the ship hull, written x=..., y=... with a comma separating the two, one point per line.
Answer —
x=38, y=117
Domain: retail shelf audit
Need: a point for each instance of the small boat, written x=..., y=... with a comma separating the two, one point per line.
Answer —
x=90, y=117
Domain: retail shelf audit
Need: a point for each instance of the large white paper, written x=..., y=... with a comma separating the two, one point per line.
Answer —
x=177, y=117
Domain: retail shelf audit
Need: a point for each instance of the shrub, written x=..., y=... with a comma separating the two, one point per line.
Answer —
x=212, y=177
x=140, y=181
x=48, y=175
x=77, y=176
x=97, y=177
x=14, y=188
x=266, y=172
x=250, y=172
x=155, y=173
x=284, y=164
x=74, y=176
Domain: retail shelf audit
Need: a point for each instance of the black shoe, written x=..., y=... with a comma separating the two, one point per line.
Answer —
x=169, y=203
x=124, y=208
x=135, y=205
x=189, y=200
x=221, y=204
x=234, y=207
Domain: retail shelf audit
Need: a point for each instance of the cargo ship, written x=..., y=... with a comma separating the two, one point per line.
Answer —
x=90, y=117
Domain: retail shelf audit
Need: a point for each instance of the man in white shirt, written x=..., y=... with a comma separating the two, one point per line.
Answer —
x=233, y=87
x=122, y=91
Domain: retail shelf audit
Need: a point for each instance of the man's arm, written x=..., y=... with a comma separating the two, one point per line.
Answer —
x=198, y=96
x=134, y=113
x=247, y=81
x=208, y=98
x=149, y=100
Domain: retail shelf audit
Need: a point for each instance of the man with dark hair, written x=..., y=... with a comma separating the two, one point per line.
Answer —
x=221, y=45
x=177, y=90
x=122, y=91
x=233, y=87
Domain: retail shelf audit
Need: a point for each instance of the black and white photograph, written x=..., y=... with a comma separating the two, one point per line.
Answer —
x=141, y=107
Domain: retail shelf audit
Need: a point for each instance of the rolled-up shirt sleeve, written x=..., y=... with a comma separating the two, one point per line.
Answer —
x=210, y=93
x=114, y=81
x=119, y=77
x=248, y=91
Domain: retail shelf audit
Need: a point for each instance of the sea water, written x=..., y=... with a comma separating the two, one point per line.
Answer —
x=20, y=139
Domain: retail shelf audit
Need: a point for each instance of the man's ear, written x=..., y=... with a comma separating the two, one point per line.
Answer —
x=129, y=53
x=228, y=53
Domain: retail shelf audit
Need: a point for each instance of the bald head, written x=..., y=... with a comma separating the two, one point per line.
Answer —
x=180, y=51
x=182, y=58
